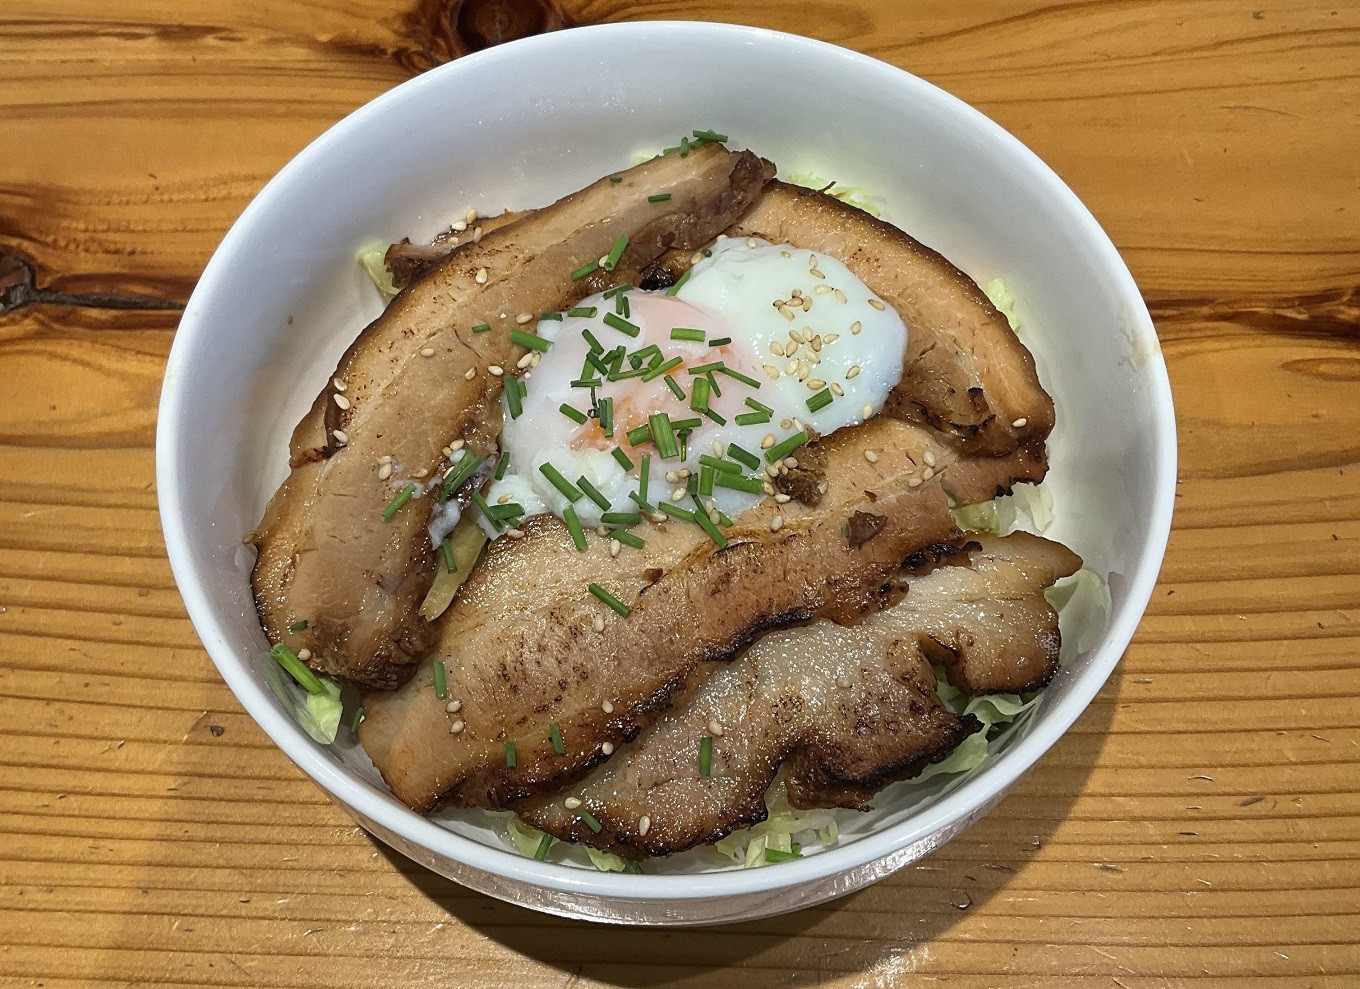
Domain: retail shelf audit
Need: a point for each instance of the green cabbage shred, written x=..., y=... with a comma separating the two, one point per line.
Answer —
x=318, y=714
x=373, y=258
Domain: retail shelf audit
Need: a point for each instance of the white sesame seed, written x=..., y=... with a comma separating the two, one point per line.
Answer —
x=815, y=383
x=836, y=389
x=852, y=372
x=868, y=410
x=776, y=348
x=304, y=654
x=503, y=499
x=767, y=441
x=1020, y=422
x=785, y=254
x=813, y=357
x=822, y=486
x=782, y=498
x=386, y=458
x=750, y=242
x=713, y=515
x=523, y=318
x=716, y=448
x=831, y=338
x=771, y=371
x=644, y=825
x=602, y=530
x=714, y=728
x=871, y=456
x=790, y=462
x=571, y=803
x=682, y=474
x=422, y=472
x=614, y=547
x=822, y=290
x=913, y=482
x=604, y=260
x=426, y=351
x=384, y=472
x=785, y=423
x=696, y=257
x=877, y=304
x=338, y=384
x=607, y=707
x=817, y=343
x=535, y=357
x=786, y=312
x=456, y=727
x=526, y=360
x=672, y=477
x=791, y=367
x=597, y=623
x=928, y=473
x=929, y=458
x=480, y=277
x=855, y=327
x=776, y=523
x=496, y=369
x=657, y=517
x=470, y=373
x=798, y=424
x=607, y=748
x=341, y=402
x=678, y=494
x=804, y=369
x=840, y=296
x=515, y=533
x=453, y=706
x=476, y=235
x=341, y=437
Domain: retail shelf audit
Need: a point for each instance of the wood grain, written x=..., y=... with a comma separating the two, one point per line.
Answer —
x=1199, y=826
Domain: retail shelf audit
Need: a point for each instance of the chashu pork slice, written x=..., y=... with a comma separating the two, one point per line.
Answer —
x=420, y=378
x=849, y=709
x=523, y=653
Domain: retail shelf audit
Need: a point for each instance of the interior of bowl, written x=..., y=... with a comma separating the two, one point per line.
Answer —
x=509, y=129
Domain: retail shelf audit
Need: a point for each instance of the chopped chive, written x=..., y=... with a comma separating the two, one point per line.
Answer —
x=663, y=435
x=611, y=259
x=674, y=386
x=514, y=397
x=753, y=404
x=641, y=502
x=298, y=626
x=753, y=418
x=659, y=369
x=481, y=328
x=680, y=283
x=458, y=474
x=720, y=420
x=551, y=315
x=744, y=379
x=723, y=520
x=644, y=475
x=618, y=454
x=485, y=509
x=446, y=551
x=719, y=341
x=591, y=823
x=740, y=482
x=713, y=384
x=616, y=178
x=750, y=460
x=586, y=311
x=501, y=464
x=775, y=855
x=706, y=523
x=545, y=842
x=622, y=306
x=710, y=135
x=358, y=719
x=717, y=463
x=687, y=333
x=620, y=518
x=644, y=356
x=555, y=734
x=441, y=686
x=693, y=423
x=633, y=867
x=692, y=483
x=684, y=444
x=610, y=600
x=586, y=383
x=636, y=372
x=676, y=512
x=705, y=368
x=394, y=506
x=621, y=324
x=660, y=197
x=705, y=755
x=510, y=758
x=605, y=407
x=296, y=668
x=588, y=268
x=705, y=487
x=578, y=535
x=820, y=400
x=617, y=290
x=628, y=539
x=639, y=435
x=507, y=511
x=531, y=341
x=595, y=346
x=555, y=477
x=780, y=450
x=575, y=415
x=592, y=492
x=684, y=147
x=698, y=395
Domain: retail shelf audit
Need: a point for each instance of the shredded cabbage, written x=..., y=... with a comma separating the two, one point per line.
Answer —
x=1031, y=504
x=373, y=257
x=318, y=714
x=1083, y=604
x=1004, y=301
x=856, y=195
x=746, y=847
x=526, y=841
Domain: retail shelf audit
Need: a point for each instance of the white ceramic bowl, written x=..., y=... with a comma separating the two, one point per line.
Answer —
x=519, y=126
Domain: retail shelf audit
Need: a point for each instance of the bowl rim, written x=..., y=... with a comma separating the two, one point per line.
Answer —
x=946, y=814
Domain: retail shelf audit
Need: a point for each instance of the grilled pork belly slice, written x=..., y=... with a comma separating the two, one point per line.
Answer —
x=326, y=555
x=849, y=709
x=522, y=651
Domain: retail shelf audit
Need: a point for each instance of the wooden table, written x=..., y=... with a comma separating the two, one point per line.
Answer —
x=1199, y=826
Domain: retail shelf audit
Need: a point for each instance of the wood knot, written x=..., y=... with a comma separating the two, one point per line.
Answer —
x=442, y=30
